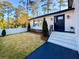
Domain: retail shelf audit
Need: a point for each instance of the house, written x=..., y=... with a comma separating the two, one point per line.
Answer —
x=62, y=20
x=64, y=24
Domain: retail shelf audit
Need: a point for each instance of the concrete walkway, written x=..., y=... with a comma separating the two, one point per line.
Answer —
x=52, y=51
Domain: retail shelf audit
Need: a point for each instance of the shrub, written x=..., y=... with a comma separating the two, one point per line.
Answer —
x=28, y=28
x=45, y=28
x=3, y=32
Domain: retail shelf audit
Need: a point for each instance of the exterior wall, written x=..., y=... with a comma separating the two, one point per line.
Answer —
x=50, y=21
x=37, y=26
x=69, y=19
x=69, y=22
x=76, y=2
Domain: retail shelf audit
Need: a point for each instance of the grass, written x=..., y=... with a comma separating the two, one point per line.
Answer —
x=19, y=45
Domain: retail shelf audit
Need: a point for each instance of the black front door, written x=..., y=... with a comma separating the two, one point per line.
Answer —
x=59, y=23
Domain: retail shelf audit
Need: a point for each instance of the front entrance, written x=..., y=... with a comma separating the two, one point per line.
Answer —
x=59, y=23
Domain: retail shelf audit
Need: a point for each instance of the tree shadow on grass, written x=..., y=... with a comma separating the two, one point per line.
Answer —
x=45, y=38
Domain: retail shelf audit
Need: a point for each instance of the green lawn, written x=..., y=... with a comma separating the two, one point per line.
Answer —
x=19, y=45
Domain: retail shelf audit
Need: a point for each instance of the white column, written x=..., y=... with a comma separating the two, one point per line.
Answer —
x=77, y=21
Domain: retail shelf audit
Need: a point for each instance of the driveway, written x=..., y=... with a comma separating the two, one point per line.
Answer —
x=53, y=51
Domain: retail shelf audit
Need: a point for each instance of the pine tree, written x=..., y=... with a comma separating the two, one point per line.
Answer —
x=45, y=28
x=28, y=27
x=3, y=32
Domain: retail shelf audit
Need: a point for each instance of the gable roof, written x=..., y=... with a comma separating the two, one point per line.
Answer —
x=53, y=13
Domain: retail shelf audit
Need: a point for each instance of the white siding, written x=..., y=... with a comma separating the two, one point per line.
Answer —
x=69, y=22
x=77, y=22
x=49, y=21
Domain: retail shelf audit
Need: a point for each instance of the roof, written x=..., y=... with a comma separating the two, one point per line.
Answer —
x=53, y=13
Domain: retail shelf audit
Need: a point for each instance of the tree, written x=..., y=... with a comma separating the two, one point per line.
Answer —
x=1, y=14
x=63, y=3
x=70, y=4
x=6, y=8
x=46, y=6
x=28, y=28
x=1, y=19
x=1, y=6
x=34, y=6
x=3, y=32
x=24, y=3
x=22, y=16
x=45, y=28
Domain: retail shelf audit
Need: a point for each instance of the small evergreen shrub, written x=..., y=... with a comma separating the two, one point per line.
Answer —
x=45, y=28
x=28, y=28
x=3, y=32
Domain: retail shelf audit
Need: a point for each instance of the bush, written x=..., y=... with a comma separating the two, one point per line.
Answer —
x=45, y=28
x=3, y=32
x=28, y=28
